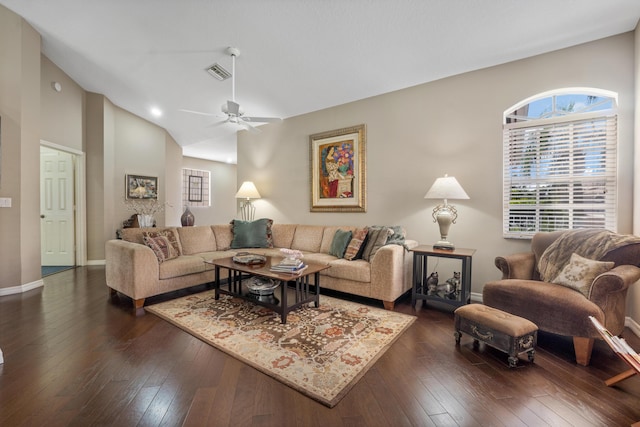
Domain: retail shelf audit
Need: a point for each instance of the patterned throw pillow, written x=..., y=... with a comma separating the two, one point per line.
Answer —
x=377, y=238
x=161, y=246
x=252, y=234
x=341, y=239
x=170, y=234
x=357, y=239
x=580, y=273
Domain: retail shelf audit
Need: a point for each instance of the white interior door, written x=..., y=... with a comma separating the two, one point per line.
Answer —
x=56, y=207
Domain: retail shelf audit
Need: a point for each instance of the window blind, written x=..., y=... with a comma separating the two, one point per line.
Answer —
x=560, y=174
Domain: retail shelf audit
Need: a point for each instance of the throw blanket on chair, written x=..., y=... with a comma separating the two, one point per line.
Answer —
x=588, y=243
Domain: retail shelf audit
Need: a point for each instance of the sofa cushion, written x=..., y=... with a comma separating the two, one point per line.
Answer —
x=181, y=266
x=197, y=239
x=580, y=273
x=283, y=235
x=357, y=239
x=341, y=239
x=252, y=234
x=376, y=238
x=162, y=247
x=169, y=233
x=224, y=236
x=308, y=238
x=327, y=236
x=359, y=271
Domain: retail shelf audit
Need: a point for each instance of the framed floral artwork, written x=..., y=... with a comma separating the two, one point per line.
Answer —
x=338, y=170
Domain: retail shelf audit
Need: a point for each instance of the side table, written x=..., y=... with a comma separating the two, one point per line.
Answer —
x=454, y=292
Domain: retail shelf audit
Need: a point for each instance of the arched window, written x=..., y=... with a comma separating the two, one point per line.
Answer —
x=560, y=162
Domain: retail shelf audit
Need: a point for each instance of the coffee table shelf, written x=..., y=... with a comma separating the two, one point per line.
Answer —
x=304, y=290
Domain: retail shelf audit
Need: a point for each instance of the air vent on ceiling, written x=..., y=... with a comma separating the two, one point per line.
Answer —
x=217, y=71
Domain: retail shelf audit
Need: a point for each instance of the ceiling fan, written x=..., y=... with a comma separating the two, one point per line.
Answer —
x=234, y=113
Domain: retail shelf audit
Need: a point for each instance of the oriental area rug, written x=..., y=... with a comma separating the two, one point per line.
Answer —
x=321, y=352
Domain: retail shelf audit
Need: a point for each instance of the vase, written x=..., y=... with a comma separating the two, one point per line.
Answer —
x=187, y=219
x=145, y=221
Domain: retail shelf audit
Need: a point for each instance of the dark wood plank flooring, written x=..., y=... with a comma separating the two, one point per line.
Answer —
x=74, y=357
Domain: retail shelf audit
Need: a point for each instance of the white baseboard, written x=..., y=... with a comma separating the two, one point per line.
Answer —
x=21, y=288
x=96, y=262
x=476, y=297
x=633, y=325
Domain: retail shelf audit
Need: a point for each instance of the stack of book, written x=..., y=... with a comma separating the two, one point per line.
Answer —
x=289, y=265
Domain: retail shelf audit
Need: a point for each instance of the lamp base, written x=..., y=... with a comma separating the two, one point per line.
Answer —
x=444, y=245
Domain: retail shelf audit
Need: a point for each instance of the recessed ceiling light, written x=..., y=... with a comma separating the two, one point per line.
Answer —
x=156, y=112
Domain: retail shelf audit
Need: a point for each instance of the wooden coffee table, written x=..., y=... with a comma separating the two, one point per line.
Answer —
x=236, y=273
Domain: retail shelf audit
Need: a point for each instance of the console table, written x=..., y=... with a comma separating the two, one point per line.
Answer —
x=452, y=292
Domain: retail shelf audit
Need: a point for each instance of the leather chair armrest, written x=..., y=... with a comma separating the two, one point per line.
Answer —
x=613, y=281
x=609, y=292
x=517, y=266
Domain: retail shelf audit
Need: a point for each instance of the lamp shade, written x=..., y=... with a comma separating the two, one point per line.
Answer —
x=247, y=191
x=446, y=187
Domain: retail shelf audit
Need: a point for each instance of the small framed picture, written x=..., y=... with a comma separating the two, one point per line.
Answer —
x=141, y=187
x=195, y=188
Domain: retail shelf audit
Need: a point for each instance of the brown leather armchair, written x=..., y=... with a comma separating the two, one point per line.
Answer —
x=559, y=309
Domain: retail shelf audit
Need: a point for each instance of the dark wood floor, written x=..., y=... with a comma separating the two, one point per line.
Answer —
x=73, y=357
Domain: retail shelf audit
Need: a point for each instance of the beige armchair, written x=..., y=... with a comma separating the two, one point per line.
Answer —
x=560, y=309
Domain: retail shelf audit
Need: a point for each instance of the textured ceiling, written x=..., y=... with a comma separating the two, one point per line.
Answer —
x=297, y=56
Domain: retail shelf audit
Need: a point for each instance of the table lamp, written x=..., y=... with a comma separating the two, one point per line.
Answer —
x=247, y=191
x=445, y=188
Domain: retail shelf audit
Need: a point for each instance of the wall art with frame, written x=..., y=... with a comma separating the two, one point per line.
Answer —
x=338, y=170
x=141, y=187
x=196, y=185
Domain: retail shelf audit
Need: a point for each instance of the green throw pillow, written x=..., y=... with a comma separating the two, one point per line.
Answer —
x=252, y=234
x=339, y=243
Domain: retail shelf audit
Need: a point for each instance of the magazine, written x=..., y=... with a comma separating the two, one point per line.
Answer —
x=289, y=265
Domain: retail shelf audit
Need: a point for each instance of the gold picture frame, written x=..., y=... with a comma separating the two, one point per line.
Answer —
x=338, y=170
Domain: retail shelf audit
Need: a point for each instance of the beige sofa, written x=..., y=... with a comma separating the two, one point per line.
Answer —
x=133, y=269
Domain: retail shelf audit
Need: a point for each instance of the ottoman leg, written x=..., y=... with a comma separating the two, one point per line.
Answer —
x=513, y=361
x=531, y=355
x=457, y=334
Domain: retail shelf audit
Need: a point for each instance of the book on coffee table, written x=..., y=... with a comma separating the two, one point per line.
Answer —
x=289, y=266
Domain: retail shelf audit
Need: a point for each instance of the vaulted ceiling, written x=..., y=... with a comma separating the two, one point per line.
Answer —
x=296, y=56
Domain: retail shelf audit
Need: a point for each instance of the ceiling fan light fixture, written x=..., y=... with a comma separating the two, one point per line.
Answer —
x=218, y=71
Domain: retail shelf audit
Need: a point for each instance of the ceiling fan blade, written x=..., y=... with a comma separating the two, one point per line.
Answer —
x=262, y=119
x=216, y=124
x=248, y=126
x=196, y=112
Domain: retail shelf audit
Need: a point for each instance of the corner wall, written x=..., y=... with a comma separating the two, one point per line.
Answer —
x=19, y=152
x=633, y=302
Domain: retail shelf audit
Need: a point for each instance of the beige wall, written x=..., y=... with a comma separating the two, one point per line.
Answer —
x=223, y=191
x=633, y=303
x=61, y=112
x=449, y=126
x=19, y=155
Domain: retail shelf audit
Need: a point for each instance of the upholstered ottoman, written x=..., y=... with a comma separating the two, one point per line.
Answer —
x=504, y=331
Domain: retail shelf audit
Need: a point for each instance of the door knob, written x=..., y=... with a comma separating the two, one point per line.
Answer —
x=41, y=216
